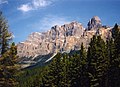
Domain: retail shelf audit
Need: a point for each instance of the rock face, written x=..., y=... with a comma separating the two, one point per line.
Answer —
x=58, y=38
x=62, y=38
x=94, y=23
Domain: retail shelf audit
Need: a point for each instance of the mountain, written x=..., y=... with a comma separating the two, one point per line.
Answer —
x=94, y=23
x=60, y=39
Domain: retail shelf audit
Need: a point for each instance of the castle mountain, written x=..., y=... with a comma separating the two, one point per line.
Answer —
x=62, y=39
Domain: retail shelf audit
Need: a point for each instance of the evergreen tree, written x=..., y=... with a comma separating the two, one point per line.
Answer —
x=74, y=68
x=111, y=55
x=111, y=51
x=53, y=76
x=78, y=68
x=83, y=67
x=114, y=70
x=117, y=45
x=97, y=62
x=5, y=35
x=65, y=74
x=7, y=56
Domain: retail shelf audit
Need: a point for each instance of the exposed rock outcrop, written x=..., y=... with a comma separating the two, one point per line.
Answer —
x=62, y=38
x=94, y=23
x=58, y=38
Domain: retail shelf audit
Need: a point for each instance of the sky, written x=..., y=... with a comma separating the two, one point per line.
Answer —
x=27, y=16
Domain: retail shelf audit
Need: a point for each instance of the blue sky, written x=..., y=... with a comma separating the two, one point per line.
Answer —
x=27, y=16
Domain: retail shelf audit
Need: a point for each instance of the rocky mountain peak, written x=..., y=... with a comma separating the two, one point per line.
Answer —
x=96, y=18
x=94, y=23
x=61, y=38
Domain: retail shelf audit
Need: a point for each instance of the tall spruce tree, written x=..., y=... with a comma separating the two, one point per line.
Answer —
x=114, y=71
x=5, y=35
x=7, y=56
x=53, y=75
x=74, y=68
x=111, y=56
x=97, y=62
x=117, y=45
x=65, y=74
x=83, y=67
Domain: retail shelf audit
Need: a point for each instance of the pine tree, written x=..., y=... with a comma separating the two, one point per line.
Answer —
x=97, y=62
x=111, y=50
x=83, y=67
x=65, y=74
x=117, y=45
x=78, y=68
x=53, y=76
x=5, y=35
x=114, y=70
x=91, y=62
x=74, y=68
x=111, y=54
x=7, y=56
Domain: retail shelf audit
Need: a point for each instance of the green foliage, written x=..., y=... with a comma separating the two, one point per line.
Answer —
x=57, y=73
x=8, y=56
x=5, y=35
x=117, y=45
x=114, y=69
x=63, y=71
x=31, y=77
x=83, y=67
x=97, y=61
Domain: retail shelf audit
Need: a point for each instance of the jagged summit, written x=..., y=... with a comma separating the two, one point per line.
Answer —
x=94, y=23
x=96, y=18
x=62, y=38
x=57, y=38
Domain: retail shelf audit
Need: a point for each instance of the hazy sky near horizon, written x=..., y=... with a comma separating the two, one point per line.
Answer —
x=27, y=16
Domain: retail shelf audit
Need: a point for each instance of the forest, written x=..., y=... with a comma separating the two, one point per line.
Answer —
x=97, y=66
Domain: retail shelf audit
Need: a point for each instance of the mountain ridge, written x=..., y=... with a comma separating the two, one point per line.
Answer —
x=62, y=38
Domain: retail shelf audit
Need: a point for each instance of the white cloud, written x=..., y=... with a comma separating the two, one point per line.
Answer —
x=35, y=4
x=25, y=7
x=41, y=3
x=49, y=21
x=3, y=1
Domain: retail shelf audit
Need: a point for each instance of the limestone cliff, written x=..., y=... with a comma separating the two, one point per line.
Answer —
x=62, y=38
